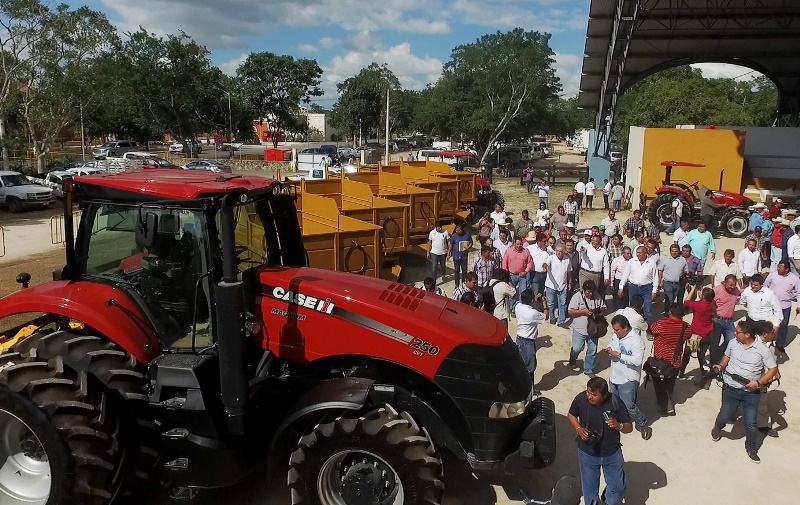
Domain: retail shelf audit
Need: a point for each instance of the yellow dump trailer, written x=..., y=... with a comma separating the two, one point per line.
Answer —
x=447, y=189
x=332, y=241
x=423, y=210
x=467, y=187
x=355, y=199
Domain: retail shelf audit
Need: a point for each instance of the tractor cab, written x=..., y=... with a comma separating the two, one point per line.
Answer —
x=164, y=245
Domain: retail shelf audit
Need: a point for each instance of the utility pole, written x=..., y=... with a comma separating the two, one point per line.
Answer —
x=387, y=125
x=83, y=143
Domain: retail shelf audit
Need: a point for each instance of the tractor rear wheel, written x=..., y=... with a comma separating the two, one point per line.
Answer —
x=659, y=211
x=380, y=458
x=59, y=438
x=736, y=225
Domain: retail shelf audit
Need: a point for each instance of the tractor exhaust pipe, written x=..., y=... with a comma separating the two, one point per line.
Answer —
x=230, y=329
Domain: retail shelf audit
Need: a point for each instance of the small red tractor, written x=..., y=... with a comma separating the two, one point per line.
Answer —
x=159, y=351
x=733, y=219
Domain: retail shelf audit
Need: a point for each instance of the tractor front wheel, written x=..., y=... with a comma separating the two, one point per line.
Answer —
x=381, y=458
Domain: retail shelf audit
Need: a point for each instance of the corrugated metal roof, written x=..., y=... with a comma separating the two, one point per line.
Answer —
x=760, y=34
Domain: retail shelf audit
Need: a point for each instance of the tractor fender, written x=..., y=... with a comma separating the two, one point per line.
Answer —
x=675, y=191
x=104, y=308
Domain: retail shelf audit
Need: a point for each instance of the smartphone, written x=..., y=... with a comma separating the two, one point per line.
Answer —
x=606, y=415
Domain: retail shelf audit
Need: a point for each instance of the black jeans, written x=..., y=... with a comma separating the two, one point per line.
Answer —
x=605, y=202
x=664, y=389
x=461, y=268
x=705, y=345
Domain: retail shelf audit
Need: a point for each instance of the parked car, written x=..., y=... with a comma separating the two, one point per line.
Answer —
x=314, y=150
x=81, y=164
x=329, y=149
x=347, y=152
x=209, y=165
x=114, y=149
x=185, y=146
x=154, y=162
x=55, y=180
x=17, y=192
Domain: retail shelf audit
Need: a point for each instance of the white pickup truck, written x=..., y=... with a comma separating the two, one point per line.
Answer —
x=17, y=192
x=55, y=180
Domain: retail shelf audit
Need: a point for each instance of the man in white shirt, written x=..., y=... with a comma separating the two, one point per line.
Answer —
x=626, y=351
x=681, y=234
x=439, y=248
x=641, y=278
x=606, y=193
x=499, y=215
x=544, y=193
x=793, y=250
x=580, y=189
x=749, y=261
x=539, y=255
x=504, y=243
x=558, y=267
x=589, y=192
x=725, y=267
x=595, y=265
x=617, y=193
x=584, y=243
x=761, y=302
x=611, y=223
x=633, y=313
x=528, y=321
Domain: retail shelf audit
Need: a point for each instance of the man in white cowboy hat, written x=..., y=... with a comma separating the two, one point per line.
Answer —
x=755, y=217
x=791, y=216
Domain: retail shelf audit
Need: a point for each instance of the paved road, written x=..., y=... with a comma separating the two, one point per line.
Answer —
x=26, y=233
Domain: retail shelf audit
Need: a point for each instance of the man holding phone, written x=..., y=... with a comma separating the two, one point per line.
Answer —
x=598, y=424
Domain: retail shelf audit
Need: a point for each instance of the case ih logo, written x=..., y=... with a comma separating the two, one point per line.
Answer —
x=301, y=300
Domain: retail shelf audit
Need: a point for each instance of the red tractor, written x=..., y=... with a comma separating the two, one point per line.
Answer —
x=158, y=350
x=733, y=219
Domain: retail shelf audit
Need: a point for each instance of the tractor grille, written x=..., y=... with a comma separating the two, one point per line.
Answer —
x=405, y=297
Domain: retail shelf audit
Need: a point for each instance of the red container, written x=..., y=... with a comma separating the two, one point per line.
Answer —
x=277, y=155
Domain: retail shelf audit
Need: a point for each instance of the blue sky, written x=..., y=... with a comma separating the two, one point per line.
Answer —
x=414, y=37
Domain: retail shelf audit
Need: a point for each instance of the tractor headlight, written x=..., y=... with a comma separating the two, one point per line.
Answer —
x=500, y=410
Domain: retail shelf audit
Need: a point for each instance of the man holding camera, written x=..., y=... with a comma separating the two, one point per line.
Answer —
x=748, y=365
x=586, y=310
x=598, y=425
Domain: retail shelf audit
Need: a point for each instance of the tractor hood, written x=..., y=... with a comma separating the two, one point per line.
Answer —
x=310, y=314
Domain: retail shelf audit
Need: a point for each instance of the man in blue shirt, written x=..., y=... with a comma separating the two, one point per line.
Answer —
x=701, y=242
x=462, y=243
x=755, y=217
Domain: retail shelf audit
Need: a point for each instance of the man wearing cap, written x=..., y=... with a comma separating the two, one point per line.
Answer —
x=585, y=240
x=756, y=220
x=571, y=208
x=775, y=242
x=775, y=209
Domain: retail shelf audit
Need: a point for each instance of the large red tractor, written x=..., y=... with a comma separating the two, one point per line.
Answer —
x=158, y=350
x=733, y=219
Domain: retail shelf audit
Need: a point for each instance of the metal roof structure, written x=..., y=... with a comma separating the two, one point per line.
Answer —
x=628, y=40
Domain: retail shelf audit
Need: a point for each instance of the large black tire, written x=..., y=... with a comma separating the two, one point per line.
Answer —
x=114, y=376
x=381, y=453
x=659, y=211
x=14, y=205
x=736, y=224
x=67, y=414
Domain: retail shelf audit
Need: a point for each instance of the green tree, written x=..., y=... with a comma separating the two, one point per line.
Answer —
x=487, y=86
x=362, y=100
x=682, y=95
x=275, y=85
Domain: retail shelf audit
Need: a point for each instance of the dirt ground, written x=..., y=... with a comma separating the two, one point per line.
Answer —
x=680, y=464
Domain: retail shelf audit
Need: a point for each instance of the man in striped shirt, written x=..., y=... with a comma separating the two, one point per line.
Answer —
x=669, y=334
x=571, y=209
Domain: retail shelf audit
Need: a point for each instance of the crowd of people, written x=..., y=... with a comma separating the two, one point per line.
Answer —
x=542, y=271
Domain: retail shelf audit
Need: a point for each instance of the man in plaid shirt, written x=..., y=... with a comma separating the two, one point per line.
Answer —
x=615, y=247
x=636, y=223
x=758, y=236
x=484, y=265
x=571, y=208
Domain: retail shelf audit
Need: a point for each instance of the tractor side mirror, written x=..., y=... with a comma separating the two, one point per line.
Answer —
x=146, y=230
x=24, y=279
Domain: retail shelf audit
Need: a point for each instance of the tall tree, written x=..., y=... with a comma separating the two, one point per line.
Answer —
x=682, y=95
x=275, y=85
x=490, y=83
x=362, y=98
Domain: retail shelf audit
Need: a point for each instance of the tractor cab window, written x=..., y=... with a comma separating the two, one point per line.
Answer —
x=165, y=278
x=268, y=232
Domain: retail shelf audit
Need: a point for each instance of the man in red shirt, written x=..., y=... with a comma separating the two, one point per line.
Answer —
x=669, y=333
x=775, y=209
x=726, y=295
x=518, y=262
x=776, y=244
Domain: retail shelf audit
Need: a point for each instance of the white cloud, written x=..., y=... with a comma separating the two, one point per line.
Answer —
x=414, y=72
x=568, y=69
x=230, y=66
x=726, y=70
x=328, y=42
x=306, y=48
